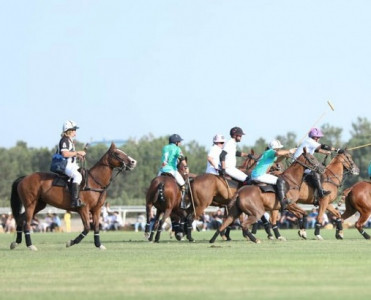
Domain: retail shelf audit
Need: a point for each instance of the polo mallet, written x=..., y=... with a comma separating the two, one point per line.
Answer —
x=190, y=191
x=362, y=146
x=319, y=119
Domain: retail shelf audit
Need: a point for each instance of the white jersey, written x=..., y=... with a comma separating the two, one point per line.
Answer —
x=230, y=159
x=214, y=153
x=311, y=146
x=308, y=143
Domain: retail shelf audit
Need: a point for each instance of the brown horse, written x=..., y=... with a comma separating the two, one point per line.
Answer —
x=254, y=203
x=213, y=190
x=37, y=190
x=358, y=198
x=332, y=179
x=164, y=193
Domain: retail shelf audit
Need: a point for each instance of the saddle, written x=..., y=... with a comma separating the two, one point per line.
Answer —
x=264, y=187
x=62, y=180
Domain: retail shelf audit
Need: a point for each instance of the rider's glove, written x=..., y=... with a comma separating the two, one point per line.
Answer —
x=222, y=172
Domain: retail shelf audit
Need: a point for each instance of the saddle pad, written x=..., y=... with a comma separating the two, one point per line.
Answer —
x=60, y=181
x=267, y=188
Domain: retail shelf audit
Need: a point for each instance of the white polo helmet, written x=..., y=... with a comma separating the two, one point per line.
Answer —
x=218, y=138
x=275, y=144
x=68, y=125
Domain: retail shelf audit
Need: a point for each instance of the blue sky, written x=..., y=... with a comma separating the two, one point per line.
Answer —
x=126, y=69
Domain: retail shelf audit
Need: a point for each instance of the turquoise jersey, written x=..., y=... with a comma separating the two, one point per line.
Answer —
x=170, y=155
x=369, y=170
x=264, y=163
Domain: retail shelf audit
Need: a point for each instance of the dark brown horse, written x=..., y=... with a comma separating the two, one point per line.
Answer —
x=36, y=190
x=358, y=198
x=254, y=203
x=164, y=193
x=332, y=179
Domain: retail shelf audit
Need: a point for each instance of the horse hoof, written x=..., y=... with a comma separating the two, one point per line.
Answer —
x=179, y=236
x=13, y=245
x=69, y=244
x=303, y=234
x=191, y=240
x=282, y=239
x=258, y=241
x=270, y=237
x=32, y=248
x=224, y=238
x=319, y=238
x=101, y=247
x=339, y=237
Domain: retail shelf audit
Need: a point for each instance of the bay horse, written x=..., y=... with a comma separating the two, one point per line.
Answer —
x=332, y=179
x=37, y=190
x=254, y=203
x=358, y=198
x=164, y=194
x=213, y=190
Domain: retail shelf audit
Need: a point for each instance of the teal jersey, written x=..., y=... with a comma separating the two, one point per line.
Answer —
x=369, y=169
x=170, y=155
x=264, y=163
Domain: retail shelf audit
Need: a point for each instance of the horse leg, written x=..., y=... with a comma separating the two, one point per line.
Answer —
x=228, y=221
x=246, y=231
x=359, y=225
x=339, y=224
x=19, y=230
x=159, y=229
x=148, y=217
x=84, y=214
x=189, y=222
x=27, y=227
x=273, y=221
x=267, y=227
x=95, y=217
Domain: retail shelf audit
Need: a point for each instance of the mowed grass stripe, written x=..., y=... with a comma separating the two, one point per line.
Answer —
x=132, y=268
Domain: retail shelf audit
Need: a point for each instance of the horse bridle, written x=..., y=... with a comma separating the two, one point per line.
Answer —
x=347, y=168
x=124, y=166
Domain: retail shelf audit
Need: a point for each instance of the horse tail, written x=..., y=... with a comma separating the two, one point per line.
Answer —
x=15, y=200
x=159, y=195
x=344, y=196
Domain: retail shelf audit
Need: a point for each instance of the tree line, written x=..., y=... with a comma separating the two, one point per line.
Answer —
x=129, y=188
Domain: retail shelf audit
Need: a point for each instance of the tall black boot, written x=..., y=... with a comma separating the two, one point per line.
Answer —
x=75, y=191
x=281, y=193
x=318, y=185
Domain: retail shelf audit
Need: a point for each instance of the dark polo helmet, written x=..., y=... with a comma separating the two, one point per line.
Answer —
x=175, y=138
x=236, y=131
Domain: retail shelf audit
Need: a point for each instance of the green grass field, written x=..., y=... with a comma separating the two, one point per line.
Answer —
x=132, y=268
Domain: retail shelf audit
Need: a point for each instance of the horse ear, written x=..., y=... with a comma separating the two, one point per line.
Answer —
x=305, y=150
x=113, y=146
x=252, y=152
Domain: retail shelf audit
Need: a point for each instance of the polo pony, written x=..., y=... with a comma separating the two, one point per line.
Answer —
x=38, y=189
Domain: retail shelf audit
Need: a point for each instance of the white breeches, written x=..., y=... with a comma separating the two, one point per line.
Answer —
x=179, y=179
x=236, y=174
x=72, y=171
x=267, y=178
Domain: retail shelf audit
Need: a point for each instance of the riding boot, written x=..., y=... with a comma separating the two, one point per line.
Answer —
x=318, y=185
x=75, y=190
x=281, y=193
x=183, y=204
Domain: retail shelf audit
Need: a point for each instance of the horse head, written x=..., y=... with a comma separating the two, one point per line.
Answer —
x=183, y=167
x=310, y=162
x=119, y=159
x=347, y=161
x=249, y=162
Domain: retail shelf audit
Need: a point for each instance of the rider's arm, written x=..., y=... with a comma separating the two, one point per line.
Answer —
x=222, y=158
